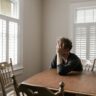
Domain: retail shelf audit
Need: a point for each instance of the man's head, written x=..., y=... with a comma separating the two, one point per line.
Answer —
x=65, y=44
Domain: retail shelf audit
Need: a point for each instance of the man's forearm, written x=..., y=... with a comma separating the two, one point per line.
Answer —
x=59, y=59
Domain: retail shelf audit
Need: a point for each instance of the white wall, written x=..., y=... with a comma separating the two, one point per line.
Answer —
x=32, y=32
x=56, y=23
x=43, y=22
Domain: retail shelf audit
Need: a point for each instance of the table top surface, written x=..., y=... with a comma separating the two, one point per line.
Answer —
x=81, y=83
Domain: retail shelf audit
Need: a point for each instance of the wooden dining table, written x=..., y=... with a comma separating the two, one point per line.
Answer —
x=78, y=83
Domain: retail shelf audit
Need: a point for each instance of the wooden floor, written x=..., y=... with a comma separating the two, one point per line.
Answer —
x=11, y=93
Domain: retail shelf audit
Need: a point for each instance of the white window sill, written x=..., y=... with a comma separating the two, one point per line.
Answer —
x=18, y=70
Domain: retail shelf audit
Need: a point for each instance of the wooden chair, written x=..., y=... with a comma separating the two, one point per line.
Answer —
x=30, y=90
x=7, y=77
x=87, y=64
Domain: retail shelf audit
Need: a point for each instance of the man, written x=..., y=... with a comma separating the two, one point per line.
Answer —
x=64, y=60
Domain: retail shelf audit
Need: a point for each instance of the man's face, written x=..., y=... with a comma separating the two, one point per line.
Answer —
x=65, y=51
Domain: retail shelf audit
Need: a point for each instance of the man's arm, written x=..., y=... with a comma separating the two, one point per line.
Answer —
x=74, y=65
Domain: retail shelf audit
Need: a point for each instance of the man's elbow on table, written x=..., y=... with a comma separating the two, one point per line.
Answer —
x=61, y=71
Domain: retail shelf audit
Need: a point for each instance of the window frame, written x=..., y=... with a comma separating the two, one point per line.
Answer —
x=19, y=21
x=73, y=6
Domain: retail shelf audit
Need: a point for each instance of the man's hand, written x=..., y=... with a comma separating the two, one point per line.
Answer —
x=59, y=51
x=59, y=48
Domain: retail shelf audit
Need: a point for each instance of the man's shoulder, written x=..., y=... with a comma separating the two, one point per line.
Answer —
x=73, y=55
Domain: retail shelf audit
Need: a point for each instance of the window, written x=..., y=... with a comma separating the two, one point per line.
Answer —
x=84, y=34
x=9, y=8
x=9, y=31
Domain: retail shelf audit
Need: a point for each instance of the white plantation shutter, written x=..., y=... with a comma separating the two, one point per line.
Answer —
x=85, y=32
x=13, y=29
x=8, y=40
x=2, y=40
x=9, y=31
x=80, y=37
x=92, y=42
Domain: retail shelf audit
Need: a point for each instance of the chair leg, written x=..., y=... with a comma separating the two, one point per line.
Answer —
x=93, y=65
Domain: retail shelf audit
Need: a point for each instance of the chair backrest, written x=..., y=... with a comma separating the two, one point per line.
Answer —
x=31, y=90
x=88, y=65
x=7, y=77
x=94, y=65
